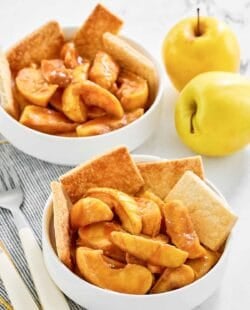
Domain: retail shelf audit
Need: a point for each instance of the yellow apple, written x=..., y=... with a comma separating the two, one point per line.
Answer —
x=189, y=49
x=212, y=114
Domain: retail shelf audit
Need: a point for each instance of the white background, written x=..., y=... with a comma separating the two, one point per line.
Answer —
x=147, y=21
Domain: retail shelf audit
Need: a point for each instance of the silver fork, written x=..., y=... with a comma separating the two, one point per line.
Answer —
x=11, y=198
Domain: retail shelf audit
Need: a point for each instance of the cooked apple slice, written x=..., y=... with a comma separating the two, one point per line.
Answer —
x=181, y=229
x=21, y=101
x=162, y=238
x=47, y=66
x=173, y=278
x=88, y=211
x=104, y=70
x=55, y=72
x=131, y=259
x=124, y=206
x=94, y=112
x=203, y=264
x=106, y=124
x=150, y=195
x=56, y=100
x=113, y=263
x=68, y=134
x=155, y=269
x=89, y=129
x=132, y=279
x=46, y=120
x=72, y=105
x=132, y=92
x=151, y=216
x=97, y=236
x=133, y=115
x=70, y=55
x=80, y=73
x=95, y=95
x=152, y=251
x=32, y=85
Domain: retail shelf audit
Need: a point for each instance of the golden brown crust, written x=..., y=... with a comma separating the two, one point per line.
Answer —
x=132, y=60
x=61, y=207
x=88, y=38
x=43, y=43
x=160, y=177
x=210, y=215
x=6, y=96
x=114, y=169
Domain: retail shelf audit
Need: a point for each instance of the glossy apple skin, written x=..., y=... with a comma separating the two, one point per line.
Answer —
x=186, y=55
x=212, y=113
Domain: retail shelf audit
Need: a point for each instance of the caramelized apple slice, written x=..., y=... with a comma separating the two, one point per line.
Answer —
x=161, y=237
x=173, y=278
x=88, y=211
x=80, y=73
x=68, y=134
x=203, y=264
x=151, y=216
x=104, y=70
x=95, y=112
x=133, y=115
x=72, y=105
x=152, y=251
x=70, y=55
x=32, y=85
x=113, y=263
x=106, y=124
x=86, y=129
x=55, y=72
x=132, y=279
x=124, y=206
x=155, y=269
x=56, y=100
x=181, y=229
x=150, y=195
x=95, y=95
x=133, y=91
x=21, y=101
x=46, y=120
x=131, y=259
x=47, y=66
x=97, y=236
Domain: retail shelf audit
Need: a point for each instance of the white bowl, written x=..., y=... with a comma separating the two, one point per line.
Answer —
x=94, y=298
x=72, y=151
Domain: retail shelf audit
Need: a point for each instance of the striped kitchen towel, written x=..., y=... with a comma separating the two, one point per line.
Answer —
x=35, y=176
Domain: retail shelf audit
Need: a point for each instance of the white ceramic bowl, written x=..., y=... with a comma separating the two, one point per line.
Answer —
x=94, y=298
x=72, y=151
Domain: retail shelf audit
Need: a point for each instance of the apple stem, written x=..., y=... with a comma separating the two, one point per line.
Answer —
x=198, y=33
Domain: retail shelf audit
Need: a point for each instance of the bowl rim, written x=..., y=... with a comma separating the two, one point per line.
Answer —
x=155, y=103
x=46, y=238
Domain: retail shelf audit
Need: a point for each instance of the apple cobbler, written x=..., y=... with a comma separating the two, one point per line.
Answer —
x=90, y=85
x=114, y=231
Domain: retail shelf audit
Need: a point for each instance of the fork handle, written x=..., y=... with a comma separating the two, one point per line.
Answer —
x=50, y=296
x=18, y=292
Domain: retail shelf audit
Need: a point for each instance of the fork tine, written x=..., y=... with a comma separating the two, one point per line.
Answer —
x=5, y=179
x=14, y=177
x=3, y=186
x=9, y=178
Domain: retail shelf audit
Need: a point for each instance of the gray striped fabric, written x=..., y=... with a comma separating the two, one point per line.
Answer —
x=35, y=176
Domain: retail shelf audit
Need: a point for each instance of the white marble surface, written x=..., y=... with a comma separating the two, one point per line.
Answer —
x=148, y=21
